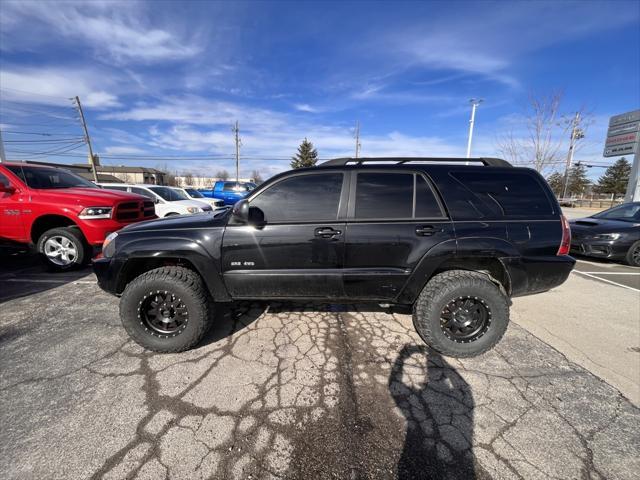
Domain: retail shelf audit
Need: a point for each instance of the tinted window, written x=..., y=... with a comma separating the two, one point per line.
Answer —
x=111, y=187
x=507, y=194
x=426, y=204
x=302, y=198
x=384, y=195
x=237, y=187
x=49, y=178
x=142, y=191
x=193, y=193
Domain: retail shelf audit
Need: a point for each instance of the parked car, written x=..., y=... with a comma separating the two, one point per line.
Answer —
x=455, y=242
x=612, y=234
x=194, y=194
x=167, y=201
x=63, y=215
x=229, y=192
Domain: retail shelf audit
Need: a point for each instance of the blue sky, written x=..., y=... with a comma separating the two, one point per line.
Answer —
x=163, y=78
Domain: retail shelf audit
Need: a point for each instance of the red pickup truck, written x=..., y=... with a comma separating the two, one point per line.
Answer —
x=62, y=214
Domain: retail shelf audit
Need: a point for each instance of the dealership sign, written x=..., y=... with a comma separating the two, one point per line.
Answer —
x=623, y=135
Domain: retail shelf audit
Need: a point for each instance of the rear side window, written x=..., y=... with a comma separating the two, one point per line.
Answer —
x=386, y=195
x=303, y=198
x=507, y=194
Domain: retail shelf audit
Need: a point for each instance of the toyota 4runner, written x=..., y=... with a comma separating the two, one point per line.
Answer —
x=453, y=238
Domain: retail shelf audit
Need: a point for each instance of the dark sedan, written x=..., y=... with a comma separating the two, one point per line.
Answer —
x=613, y=234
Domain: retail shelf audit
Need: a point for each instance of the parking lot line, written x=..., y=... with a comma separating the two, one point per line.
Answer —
x=606, y=281
x=612, y=273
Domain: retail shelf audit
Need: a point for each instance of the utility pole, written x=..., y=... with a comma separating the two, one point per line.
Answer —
x=357, y=137
x=3, y=156
x=474, y=104
x=236, y=131
x=92, y=160
x=576, y=134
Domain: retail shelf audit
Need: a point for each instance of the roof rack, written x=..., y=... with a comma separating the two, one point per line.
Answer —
x=486, y=161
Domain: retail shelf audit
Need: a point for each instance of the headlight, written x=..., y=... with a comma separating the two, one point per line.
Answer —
x=109, y=246
x=607, y=236
x=193, y=209
x=93, y=213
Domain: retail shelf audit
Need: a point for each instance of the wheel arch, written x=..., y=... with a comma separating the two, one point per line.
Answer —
x=483, y=255
x=49, y=221
x=142, y=255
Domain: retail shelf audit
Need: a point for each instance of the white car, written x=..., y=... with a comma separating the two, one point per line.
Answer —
x=194, y=194
x=167, y=201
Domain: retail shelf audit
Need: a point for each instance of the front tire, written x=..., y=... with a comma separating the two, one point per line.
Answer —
x=63, y=248
x=461, y=313
x=166, y=309
x=633, y=255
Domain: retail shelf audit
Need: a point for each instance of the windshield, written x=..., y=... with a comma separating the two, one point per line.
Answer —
x=169, y=194
x=48, y=178
x=193, y=193
x=629, y=212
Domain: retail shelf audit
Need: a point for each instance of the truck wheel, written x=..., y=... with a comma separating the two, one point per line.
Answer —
x=461, y=313
x=166, y=309
x=633, y=255
x=63, y=248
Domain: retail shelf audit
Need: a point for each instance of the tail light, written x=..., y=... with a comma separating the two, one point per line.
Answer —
x=565, y=244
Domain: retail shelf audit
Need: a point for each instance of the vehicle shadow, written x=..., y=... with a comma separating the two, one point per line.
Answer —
x=22, y=273
x=438, y=407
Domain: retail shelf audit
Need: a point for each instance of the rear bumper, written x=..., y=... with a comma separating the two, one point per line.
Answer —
x=529, y=275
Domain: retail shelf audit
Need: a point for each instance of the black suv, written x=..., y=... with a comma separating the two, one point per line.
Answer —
x=454, y=238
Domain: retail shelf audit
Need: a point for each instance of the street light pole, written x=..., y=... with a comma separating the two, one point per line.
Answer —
x=474, y=104
x=576, y=134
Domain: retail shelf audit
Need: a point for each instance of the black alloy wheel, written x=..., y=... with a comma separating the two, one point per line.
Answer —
x=163, y=312
x=465, y=319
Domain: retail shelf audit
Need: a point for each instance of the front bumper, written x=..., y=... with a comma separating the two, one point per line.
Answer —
x=106, y=275
x=599, y=248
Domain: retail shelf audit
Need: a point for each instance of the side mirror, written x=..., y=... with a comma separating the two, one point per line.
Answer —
x=156, y=200
x=7, y=189
x=240, y=211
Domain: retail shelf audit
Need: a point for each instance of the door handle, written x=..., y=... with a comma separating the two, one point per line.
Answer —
x=427, y=230
x=326, y=232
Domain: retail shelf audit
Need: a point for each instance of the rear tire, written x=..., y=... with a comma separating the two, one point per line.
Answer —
x=63, y=248
x=461, y=313
x=166, y=309
x=633, y=255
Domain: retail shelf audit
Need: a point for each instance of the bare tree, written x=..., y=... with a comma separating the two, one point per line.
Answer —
x=188, y=178
x=222, y=174
x=257, y=178
x=540, y=144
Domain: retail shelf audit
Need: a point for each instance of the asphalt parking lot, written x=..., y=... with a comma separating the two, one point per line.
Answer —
x=300, y=391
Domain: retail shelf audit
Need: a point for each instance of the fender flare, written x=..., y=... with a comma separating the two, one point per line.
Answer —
x=450, y=250
x=154, y=248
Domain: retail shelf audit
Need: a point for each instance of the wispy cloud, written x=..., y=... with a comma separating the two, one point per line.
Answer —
x=117, y=30
x=55, y=86
x=305, y=107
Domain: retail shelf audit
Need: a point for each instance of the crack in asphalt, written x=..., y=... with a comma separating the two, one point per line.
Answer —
x=295, y=391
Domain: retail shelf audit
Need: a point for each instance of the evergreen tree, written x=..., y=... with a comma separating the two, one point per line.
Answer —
x=615, y=178
x=307, y=156
x=578, y=181
x=556, y=182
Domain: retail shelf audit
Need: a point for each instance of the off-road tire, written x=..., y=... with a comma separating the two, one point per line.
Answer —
x=633, y=252
x=74, y=235
x=181, y=282
x=446, y=287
